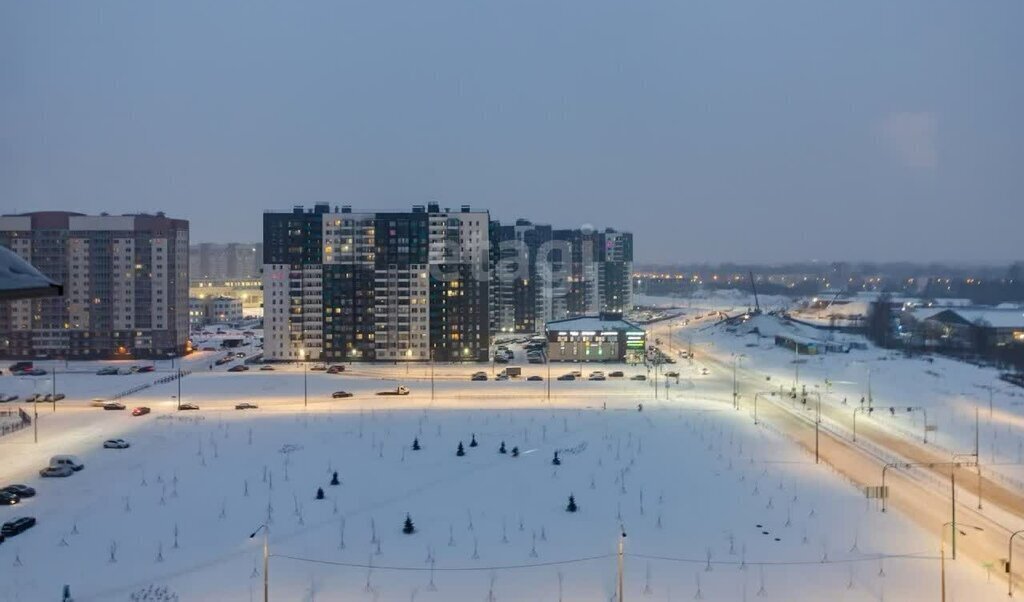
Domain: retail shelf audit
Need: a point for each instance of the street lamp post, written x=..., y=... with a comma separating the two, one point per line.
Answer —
x=266, y=559
x=735, y=385
x=305, y=381
x=1009, y=564
x=622, y=554
x=431, y=375
x=179, y=389
x=942, y=550
x=855, y=410
x=53, y=391
x=547, y=361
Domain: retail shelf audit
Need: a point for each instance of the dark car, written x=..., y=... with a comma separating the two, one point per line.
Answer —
x=146, y=369
x=188, y=406
x=140, y=411
x=113, y=405
x=18, y=525
x=107, y=371
x=534, y=377
x=21, y=491
x=567, y=377
x=336, y=369
x=238, y=368
x=616, y=374
x=245, y=405
x=638, y=377
x=8, y=499
x=340, y=394
x=478, y=376
x=267, y=368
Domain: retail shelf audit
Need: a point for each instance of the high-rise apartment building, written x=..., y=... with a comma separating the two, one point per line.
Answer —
x=394, y=286
x=542, y=274
x=219, y=262
x=125, y=281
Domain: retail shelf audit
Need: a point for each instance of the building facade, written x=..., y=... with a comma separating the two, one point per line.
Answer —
x=231, y=261
x=214, y=310
x=541, y=274
x=125, y=284
x=365, y=286
x=604, y=337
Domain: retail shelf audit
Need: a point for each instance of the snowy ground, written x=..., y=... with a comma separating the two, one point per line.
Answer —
x=711, y=503
x=706, y=475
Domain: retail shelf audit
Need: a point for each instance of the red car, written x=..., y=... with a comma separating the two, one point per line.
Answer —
x=140, y=411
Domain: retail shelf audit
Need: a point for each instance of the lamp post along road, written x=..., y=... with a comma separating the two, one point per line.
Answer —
x=1009, y=564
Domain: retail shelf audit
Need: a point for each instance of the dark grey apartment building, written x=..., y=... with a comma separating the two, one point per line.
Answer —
x=344, y=285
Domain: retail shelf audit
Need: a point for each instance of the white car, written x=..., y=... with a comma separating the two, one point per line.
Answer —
x=116, y=444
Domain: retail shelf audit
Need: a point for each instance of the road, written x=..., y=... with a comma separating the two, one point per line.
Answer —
x=918, y=499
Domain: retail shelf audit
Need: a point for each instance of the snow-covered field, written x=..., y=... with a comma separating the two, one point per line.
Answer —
x=687, y=481
x=713, y=505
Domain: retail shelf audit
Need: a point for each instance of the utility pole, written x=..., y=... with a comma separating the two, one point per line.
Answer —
x=305, y=384
x=977, y=453
x=53, y=391
x=547, y=361
x=1009, y=564
x=431, y=375
x=179, y=389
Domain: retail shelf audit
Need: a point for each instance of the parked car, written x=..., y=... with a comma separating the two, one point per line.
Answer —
x=34, y=372
x=479, y=376
x=245, y=405
x=239, y=354
x=500, y=359
x=567, y=377
x=340, y=394
x=146, y=369
x=188, y=406
x=534, y=377
x=17, y=526
x=34, y=397
x=319, y=368
x=501, y=376
x=68, y=460
x=17, y=367
x=22, y=491
x=596, y=376
x=7, y=398
x=616, y=374
x=638, y=377
x=704, y=371
x=336, y=369
x=113, y=405
x=267, y=368
x=239, y=368
x=140, y=411
x=672, y=374
x=8, y=499
x=56, y=471
x=107, y=371
x=116, y=444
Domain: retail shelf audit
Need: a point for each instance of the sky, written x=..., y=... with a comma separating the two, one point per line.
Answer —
x=713, y=130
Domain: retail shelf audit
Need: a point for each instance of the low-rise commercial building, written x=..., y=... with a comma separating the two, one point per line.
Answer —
x=214, y=310
x=605, y=337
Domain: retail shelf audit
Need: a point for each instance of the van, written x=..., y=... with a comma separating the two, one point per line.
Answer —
x=68, y=460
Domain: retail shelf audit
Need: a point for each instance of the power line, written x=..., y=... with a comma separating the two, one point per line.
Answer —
x=356, y=565
x=871, y=558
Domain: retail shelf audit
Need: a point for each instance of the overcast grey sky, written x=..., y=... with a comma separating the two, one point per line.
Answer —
x=713, y=130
